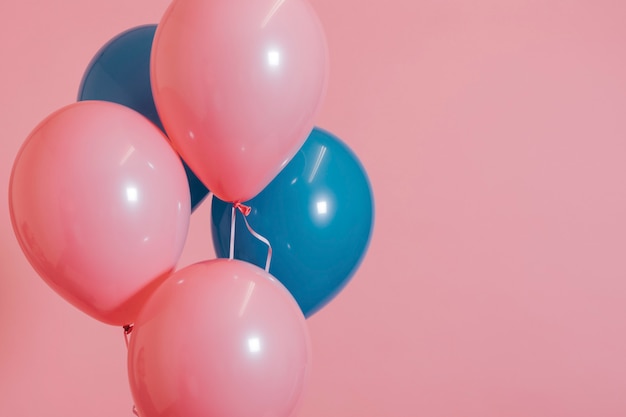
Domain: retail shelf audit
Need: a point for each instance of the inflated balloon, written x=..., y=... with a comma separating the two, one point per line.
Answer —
x=100, y=206
x=219, y=338
x=120, y=73
x=317, y=215
x=238, y=84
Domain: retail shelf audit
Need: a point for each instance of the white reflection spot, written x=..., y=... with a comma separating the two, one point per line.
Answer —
x=254, y=345
x=246, y=299
x=273, y=58
x=131, y=194
x=272, y=11
x=322, y=207
x=127, y=155
x=318, y=162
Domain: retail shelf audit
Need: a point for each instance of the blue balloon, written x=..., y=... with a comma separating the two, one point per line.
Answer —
x=120, y=73
x=317, y=214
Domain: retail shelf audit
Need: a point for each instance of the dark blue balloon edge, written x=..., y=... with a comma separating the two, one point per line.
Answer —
x=197, y=190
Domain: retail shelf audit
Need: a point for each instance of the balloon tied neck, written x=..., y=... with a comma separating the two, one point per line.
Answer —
x=128, y=329
x=245, y=210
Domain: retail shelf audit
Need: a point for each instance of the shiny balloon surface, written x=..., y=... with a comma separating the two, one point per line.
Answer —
x=318, y=216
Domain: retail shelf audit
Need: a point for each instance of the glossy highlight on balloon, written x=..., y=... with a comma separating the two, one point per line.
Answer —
x=120, y=73
x=219, y=338
x=318, y=216
x=238, y=84
x=100, y=206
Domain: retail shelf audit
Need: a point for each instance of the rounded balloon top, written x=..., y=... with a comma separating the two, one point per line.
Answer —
x=318, y=215
x=238, y=84
x=219, y=338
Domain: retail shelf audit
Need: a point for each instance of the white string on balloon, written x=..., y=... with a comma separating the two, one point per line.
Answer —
x=233, y=218
x=245, y=210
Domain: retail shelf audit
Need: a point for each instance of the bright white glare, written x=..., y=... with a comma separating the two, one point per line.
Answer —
x=273, y=58
x=131, y=194
x=254, y=345
x=322, y=207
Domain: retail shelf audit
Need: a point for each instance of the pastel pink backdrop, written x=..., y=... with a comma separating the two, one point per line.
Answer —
x=494, y=134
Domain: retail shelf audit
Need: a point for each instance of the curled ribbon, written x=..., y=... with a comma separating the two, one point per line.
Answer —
x=245, y=210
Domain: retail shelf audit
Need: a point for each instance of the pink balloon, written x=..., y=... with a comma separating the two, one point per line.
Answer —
x=219, y=338
x=237, y=84
x=100, y=205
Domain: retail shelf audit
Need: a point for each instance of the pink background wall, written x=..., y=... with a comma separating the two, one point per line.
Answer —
x=494, y=133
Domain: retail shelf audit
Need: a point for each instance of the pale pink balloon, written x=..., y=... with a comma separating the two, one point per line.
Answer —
x=219, y=338
x=100, y=205
x=237, y=84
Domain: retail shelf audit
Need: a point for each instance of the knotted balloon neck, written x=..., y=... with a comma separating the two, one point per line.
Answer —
x=245, y=210
x=128, y=329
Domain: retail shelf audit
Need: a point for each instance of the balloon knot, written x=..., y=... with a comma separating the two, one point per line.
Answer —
x=245, y=210
x=128, y=329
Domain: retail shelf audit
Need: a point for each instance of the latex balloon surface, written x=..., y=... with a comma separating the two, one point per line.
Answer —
x=100, y=206
x=219, y=338
x=120, y=73
x=317, y=215
x=238, y=84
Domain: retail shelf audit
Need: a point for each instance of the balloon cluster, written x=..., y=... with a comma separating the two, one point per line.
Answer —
x=221, y=95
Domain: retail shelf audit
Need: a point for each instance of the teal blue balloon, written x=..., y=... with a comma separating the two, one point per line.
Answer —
x=318, y=216
x=120, y=73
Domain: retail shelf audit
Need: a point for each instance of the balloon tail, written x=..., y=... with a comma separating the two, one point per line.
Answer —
x=245, y=210
x=127, y=331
